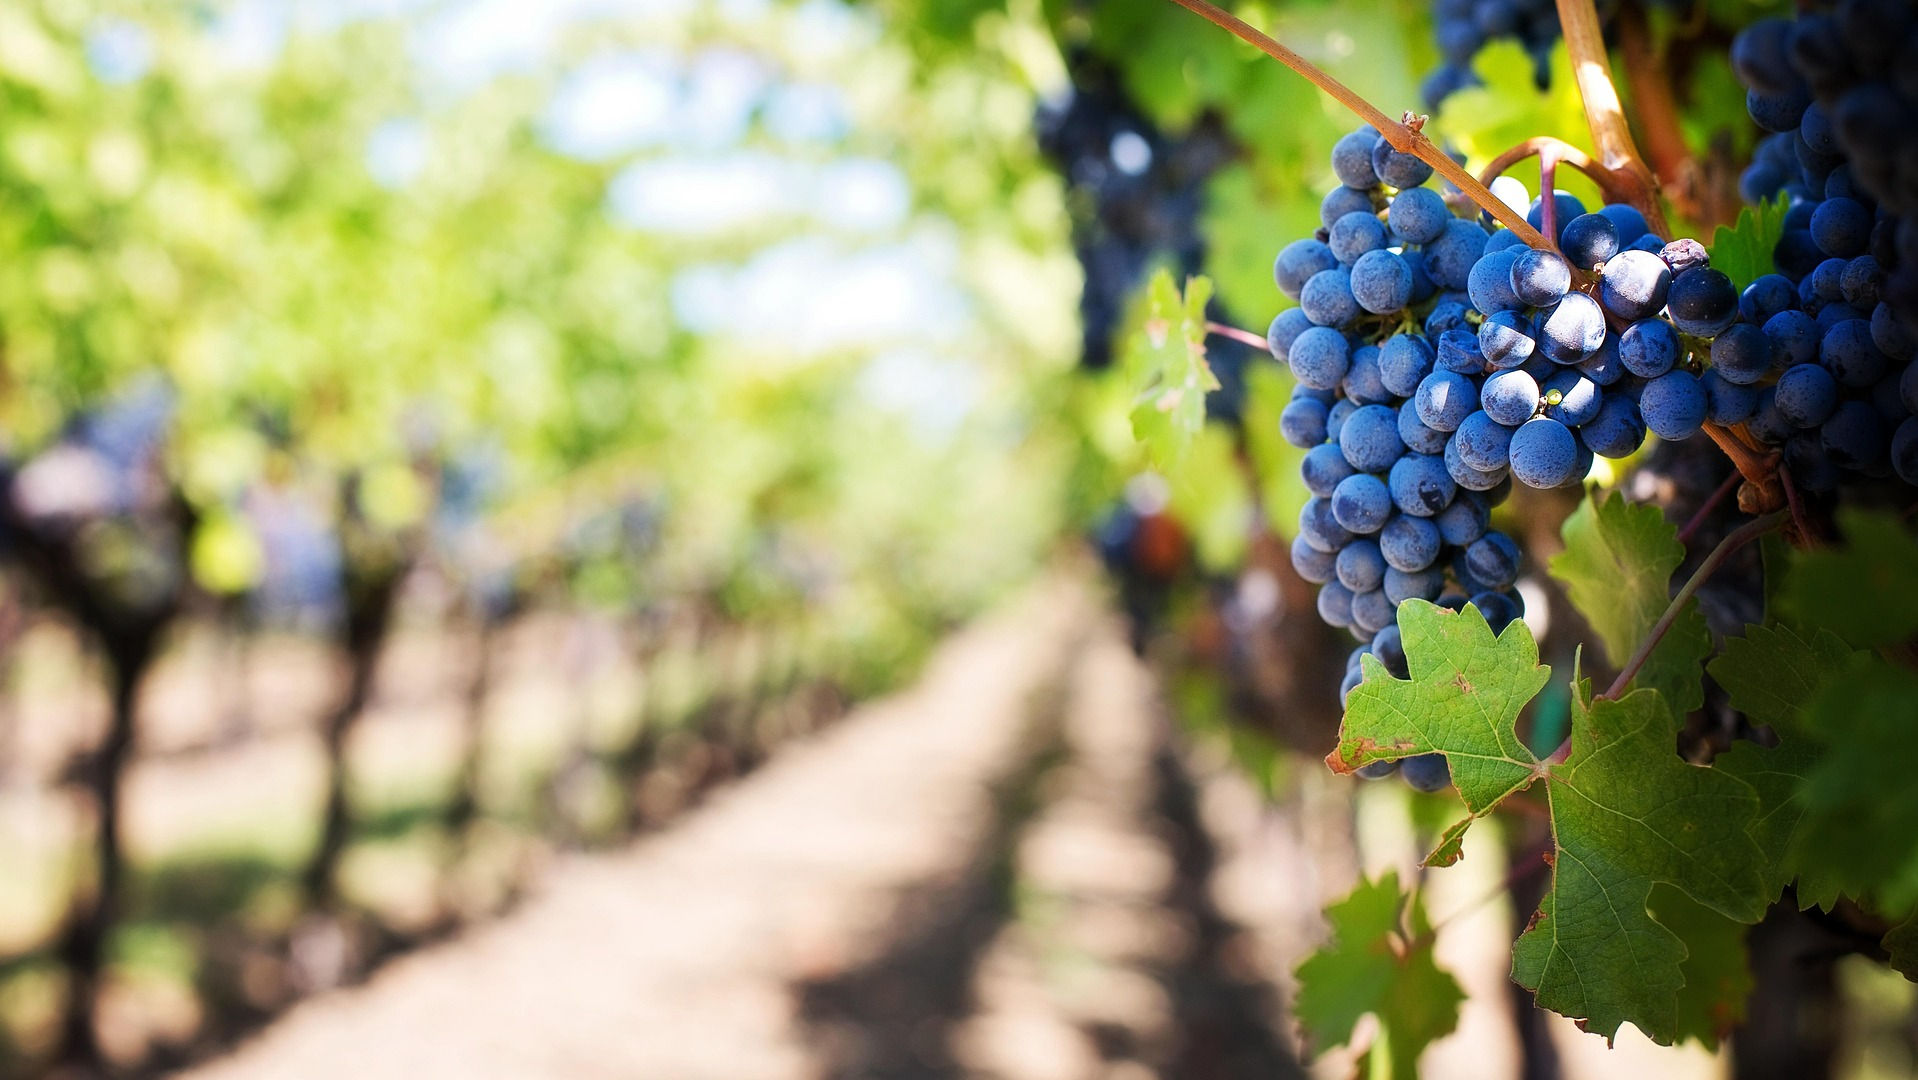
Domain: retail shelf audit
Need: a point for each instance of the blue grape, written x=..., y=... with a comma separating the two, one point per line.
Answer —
x=1426, y=772
x=1452, y=312
x=1891, y=336
x=1777, y=112
x=1648, y=348
x=1298, y=261
x=1726, y=402
x=1572, y=330
x=1375, y=770
x=1768, y=424
x=1370, y=438
x=1371, y=611
x=1319, y=358
x=1501, y=239
x=1323, y=467
x=1604, y=366
x=1355, y=234
x=1570, y=398
x=1335, y=418
x=1863, y=282
x=1745, y=354
x=1417, y=437
x=1315, y=566
x=1490, y=283
x=1409, y=543
x=1509, y=397
x=1381, y=282
x=1853, y=436
x=1403, y=585
x=1302, y=422
x=1796, y=334
x=1389, y=646
x=1335, y=604
x=1404, y=360
x=1498, y=608
x=1352, y=158
x=1464, y=521
x=1420, y=485
x=1544, y=453
x=1327, y=298
x=1341, y=201
x=1841, y=227
x=1360, y=567
x=1588, y=241
x=1564, y=207
x=1458, y=351
x=1285, y=330
x=1765, y=297
x=1806, y=395
x=1419, y=215
x=1450, y=258
x=1617, y=431
x=1364, y=383
x=1401, y=170
x=1541, y=278
x=1483, y=443
x=1673, y=405
x=1493, y=559
x=1466, y=476
x=1626, y=219
x=1702, y=301
x=1361, y=503
x=1444, y=399
x=1320, y=528
x=1505, y=339
x=1848, y=352
x=1634, y=285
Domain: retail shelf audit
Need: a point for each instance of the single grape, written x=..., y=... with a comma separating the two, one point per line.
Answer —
x=1400, y=170
x=1541, y=278
x=1458, y=351
x=1604, y=366
x=1634, y=285
x=1544, y=453
x=1404, y=360
x=1372, y=611
x=1370, y=440
x=1409, y=543
x=1361, y=503
x=1853, y=437
x=1505, y=339
x=1848, y=352
x=1745, y=354
x=1450, y=258
x=1323, y=467
x=1298, y=261
x=1572, y=329
x=1403, y=585
x=1426, y=772
x=1389, y=646
x=1806, y=395
x=1589, y=240
x=1570, y=398
x=1335, y=418
x=1490, y=283
x=1420, y=485
x=1352, y=158
x=1796, y=334
x=1648, y=348
x=1360, y=567
x=1335, y=605
x=1464, y=521
x=1444, y=399
x=1419, y=215
x=1286, y=328
x=1702, y=301
x=1626, y=219
x=1376, y=770
x=1891, y=335
x=1564, y=207
x=1327, y=298
x=1302, y=422
x=1417, y=437
x=1498, y=608
x=1493, y=559
x=1765, y=297
x=1509, y=397
x=1466, y=476
x=1363, y=383
x=1483, y=443
x=1777, y=112
x=1355, y=234
x=1841, y=227
x=1673, y=405
x=1726, y=402
x=1315, y=566
x=1341, y=201
x=1381, y=282
x=1319, y=358
x=1320, y=528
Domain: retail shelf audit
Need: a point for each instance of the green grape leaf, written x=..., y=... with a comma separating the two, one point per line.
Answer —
x=1865, y=591
x=1379, y=961
x=1901, y=947
x=1617, y=567
x=1744, y=251
x=1626, y=812
x=1857, y=834
x=1168, y=368
x=1212, y=498
x=1716, y=968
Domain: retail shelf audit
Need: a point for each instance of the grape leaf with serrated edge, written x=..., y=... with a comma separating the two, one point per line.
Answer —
x=1617, y=567
x=1744, y=251
x=1373, y=964
x=1857, y=834
x=1771, y=674
x=1168, y=367
x=1865, y=591
x=1716, y=969
x=1626, y=811
x=1901, y=947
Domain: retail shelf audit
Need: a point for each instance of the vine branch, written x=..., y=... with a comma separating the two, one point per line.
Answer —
x=1738, y=538
x=1604, y=114
x=1233, y=333
x=1404, y=136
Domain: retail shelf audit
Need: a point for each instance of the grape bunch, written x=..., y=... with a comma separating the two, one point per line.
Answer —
x=1835, y=91
x=1436, y=362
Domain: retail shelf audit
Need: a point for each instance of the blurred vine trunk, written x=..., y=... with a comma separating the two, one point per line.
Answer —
x=464, y=808
x=376, y=567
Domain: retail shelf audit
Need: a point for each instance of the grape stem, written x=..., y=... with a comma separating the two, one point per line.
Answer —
x=1604, y=115
x=1404, y=134
x=1614, y=186
x=1704, y=512
x=1657, y=112
x=1738, y=538
x=1243, y=337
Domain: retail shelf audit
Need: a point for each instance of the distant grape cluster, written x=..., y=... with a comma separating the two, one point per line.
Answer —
x=1463, y=27
x=1835, y=90
x=1436, y=362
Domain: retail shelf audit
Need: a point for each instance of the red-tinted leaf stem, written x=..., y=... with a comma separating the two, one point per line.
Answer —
x=1243, y=337
x=1698, y=520
x=1404, y=135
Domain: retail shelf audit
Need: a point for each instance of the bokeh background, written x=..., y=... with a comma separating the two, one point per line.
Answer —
x=564, y=539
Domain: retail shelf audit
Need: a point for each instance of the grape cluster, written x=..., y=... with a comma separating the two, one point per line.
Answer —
x=1437, y=362
x=1835, y=91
